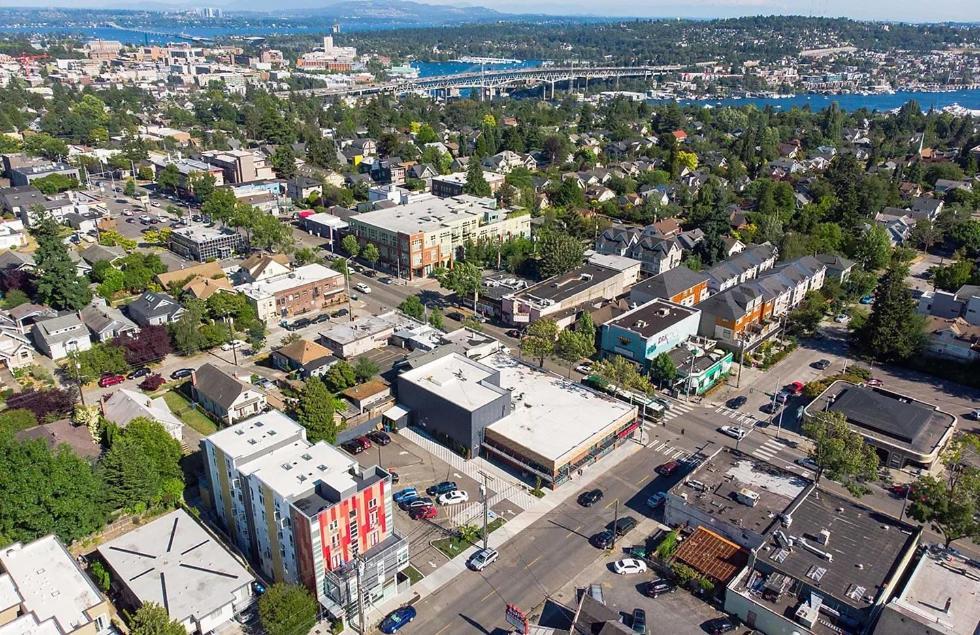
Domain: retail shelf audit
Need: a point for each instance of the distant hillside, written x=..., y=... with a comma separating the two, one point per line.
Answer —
x=396, y=11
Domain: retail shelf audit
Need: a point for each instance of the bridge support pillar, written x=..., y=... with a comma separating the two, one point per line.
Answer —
x=552, y=91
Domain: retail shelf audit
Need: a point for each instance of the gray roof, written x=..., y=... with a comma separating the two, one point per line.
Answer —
x=730, y=304
x=877, y=412
x=13, y=259
x=670, y=283
x=154, y=304
x=741, y=262
x=47, y=329
x=220, y=387
x=100, y=319
x=96, y=253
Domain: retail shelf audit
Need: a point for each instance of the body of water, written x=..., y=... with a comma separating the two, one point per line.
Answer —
x=850, y=102
x=432, y=69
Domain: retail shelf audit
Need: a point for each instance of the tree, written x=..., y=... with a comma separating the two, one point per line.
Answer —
x=622, y=373
x=840, y=452
x=540, y=339
x=873, y=248
x=560, y=253
x=413, y=307
x=464, y=279
x=925, y=234
x=201, y=185
x=315, y=412
x=142, y=465
x=663, y=370
x=585, y=326
x=153, y=619
x=47, y=404
x=350, y=245
x=287, y=609
x=365, y=369
x=950, y=503
x=476, y=184
x=151, y=344
x=572, y=346
x=953, y=276
x=894, y=328
x=130, y=188
x=370, y=254
x=284, y=162
x=168, y=179
x=340, y=376
x=16, y=419
x=436, y=319
x=99, y=360
x=15, y=298
x=57, y=281
x=221, y=206
x=266, y=232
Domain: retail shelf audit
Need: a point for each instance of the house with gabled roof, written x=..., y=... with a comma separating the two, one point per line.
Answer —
x=304, y=357
x=226, y=397
x=106, y=322
x=154, y=308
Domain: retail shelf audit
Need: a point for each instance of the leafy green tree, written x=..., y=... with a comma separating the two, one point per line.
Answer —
x=130, y=188
x=141, y=466
x=586, y=327
x=201, y=185
x=15, y=298
x=663, y=370
x=221, y=206
x=16, y=419
x=168, y=178
x=57, y=282
x=894, y=328
x=413, y=307
x=266, y=232
x=560, y=253
x=541, y=338
x=370, y=254
x=953, y=276
x=622, y=373
x=873, y=248
x=350, y=245
x=573, y=346
x=840, y=452
x=464, y=279
x=436, y=319
x=365, y=369
x=99, y=360
x=426, y=134
x=152, y=619
x=950, y=503
x=340, y=376
x=186, y=331
x=476, y=184
x=287, y=609
x=315, y=412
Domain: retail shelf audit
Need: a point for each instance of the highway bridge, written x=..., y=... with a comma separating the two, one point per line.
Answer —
x=491, y=81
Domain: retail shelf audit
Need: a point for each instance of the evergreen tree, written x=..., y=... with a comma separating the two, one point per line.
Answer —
x=316, y=412
x=894, y=328
x=475, y=183
x=58, y=284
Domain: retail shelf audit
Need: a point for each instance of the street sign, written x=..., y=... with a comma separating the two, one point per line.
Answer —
x=517, y=619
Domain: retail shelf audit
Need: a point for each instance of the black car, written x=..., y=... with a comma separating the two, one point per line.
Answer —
x=590, y=498
x=655, y=588
x=639, y=622
x=139, y=372
x=180, y=373
x=737, y=402
x=320, y=319
x=602, y=540
x=380, y=437
x=624, y=525
x=394, y=476
x=353, y=447
x=821, y=364
x=302, y=323
x=515, y=333
x=719, y=625
x=339, y=313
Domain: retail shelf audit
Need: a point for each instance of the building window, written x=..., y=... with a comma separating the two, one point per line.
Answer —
x=372, y=503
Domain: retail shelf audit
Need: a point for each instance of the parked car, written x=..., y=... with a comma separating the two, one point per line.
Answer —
x=795, y=389
x=841, y=318
x=515, y=333
x=427, y=512
x=822, y=364
x=363, y=288
x=656, y=500
x=734, y=432
x=874, y=383
x=352, y=447
x=454, y=497
x=482, y=559
x=441, y=488
x=320, y=319
x=364, y=442
x=629, y=566
x=402, y=494
x=585, y=368
x=180, y=373
x=623, y=525
x=868, y=299
x=110, y=380
x=416, y=503
x=385, y=280
x=808, y=463
x=719, y=625
x=397, y=619
x=139, y=372
x=975, y=415
x=227, y=346
x=379, y=436
x=339, y=313
x=602, y=540
x=658, y=587
x=737, y=402
x=639, y=622
x=590, y=498
x=667, y=468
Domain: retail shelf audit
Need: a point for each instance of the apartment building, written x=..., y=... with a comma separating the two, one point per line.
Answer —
x=415, y=238
x=650, y=329
x=741, y=267
x=303, y=290
x=449, y=185
x=43, y=592
x=206, y=243
x=239, y=166
x=306, y=513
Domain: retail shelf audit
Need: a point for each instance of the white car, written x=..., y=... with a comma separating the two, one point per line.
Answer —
x=585, y=368
x=363, y=288
x=808, y=463
x=483, y=559
x=629, y=566
x=841, y=318
x=127, y=212
x=233, y=344
x=975, y=415
x=733, y=431
x=453, y=497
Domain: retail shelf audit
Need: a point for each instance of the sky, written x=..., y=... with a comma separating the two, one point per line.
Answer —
x=887, y=10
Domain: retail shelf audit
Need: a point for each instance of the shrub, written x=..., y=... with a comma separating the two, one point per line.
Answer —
x=152, y=382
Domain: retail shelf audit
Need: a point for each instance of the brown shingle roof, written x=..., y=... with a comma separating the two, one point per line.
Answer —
x=710, y=554
x=207, y=270
x=304, y=351
x=365, y=390
x=203, y=288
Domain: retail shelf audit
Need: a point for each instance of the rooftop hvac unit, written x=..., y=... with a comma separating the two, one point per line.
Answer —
x=747, y=497
x=586, y=276
x=823, y=537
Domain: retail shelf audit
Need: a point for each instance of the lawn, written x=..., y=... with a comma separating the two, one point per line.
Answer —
x=414, y=575
x=184, y=411
x=455, y=545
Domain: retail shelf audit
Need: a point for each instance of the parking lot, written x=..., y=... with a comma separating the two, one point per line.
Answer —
x=420, y=469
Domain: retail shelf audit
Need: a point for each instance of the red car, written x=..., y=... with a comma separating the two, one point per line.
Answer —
x=423, y=513
x=668, y=468
x=873, y=382
x=364, y=442
x=110, y=380
x=795, y=389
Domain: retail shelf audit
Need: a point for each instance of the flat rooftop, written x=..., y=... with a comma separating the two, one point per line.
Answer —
x=886, y=416
x=934, y=582
x=201, y=233
x=293, y=470
x=560, y=288
x=175, y=563
x=653, y=317
x=307, y=274
x=729, y=472
x=43, y=576
x=457, y=379
x=864, y=546
x=256, y=435
x=429, y=214
x=367, y=326
x=551, y=415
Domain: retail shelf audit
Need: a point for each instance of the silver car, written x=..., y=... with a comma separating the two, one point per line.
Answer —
x=483, y=559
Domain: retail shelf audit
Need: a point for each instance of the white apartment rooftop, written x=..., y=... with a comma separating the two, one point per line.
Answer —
x=428, y=215
x=551, y=415
x=44, y=578
x=367, y=326
x=943, y=594
x=456, y=379
x=256, y=435
x=268, y=287
x=294, y=469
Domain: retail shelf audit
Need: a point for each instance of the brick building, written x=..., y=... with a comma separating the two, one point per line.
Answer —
x=305, y=289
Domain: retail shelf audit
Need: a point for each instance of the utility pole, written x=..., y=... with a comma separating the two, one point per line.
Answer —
x=486, y=509
x=741, y=360
x=78, y=380
x=615, y=524
x=231, y=332
x=360, y=594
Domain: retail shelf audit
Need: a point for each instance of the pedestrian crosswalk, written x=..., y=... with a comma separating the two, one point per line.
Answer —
x=744, y=419
x=768, y=450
